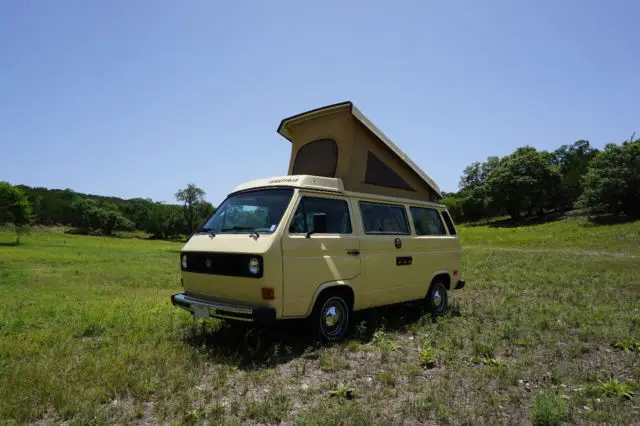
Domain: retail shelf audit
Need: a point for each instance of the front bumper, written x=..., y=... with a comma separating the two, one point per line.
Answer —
x=258, y=314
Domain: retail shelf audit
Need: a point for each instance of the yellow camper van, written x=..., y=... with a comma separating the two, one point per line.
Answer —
x=354, y=225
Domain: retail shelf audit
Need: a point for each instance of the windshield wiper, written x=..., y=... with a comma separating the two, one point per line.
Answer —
x=252, y=230
x=210, y=231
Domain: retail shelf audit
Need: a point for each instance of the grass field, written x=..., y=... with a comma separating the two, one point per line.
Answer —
x=546, y=331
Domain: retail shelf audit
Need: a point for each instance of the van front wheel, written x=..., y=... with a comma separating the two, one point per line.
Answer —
x=331, y=318
x=437, y=299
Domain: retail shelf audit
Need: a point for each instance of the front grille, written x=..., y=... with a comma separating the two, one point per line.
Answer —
x=228, y=264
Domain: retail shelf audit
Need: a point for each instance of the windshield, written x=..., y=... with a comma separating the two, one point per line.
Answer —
x=255, y=211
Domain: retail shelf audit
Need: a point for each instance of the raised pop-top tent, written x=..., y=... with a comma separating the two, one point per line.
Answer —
x=339, y=141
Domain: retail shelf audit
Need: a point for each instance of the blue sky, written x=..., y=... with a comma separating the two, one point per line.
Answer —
x=137, y=99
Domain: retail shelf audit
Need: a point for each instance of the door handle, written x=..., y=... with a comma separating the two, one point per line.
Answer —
x=406, y=260
x=354, y=252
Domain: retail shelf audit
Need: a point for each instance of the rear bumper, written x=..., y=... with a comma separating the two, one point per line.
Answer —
x=460, y=284
x=257, y=314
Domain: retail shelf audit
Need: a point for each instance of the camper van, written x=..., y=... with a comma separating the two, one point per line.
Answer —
x=355, y=224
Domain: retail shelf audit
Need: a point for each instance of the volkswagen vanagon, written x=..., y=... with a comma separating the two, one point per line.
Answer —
x=354, y=225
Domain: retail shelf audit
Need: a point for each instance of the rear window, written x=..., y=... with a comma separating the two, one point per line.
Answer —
x=427, y=221
x=449, y=222
x=384, y=219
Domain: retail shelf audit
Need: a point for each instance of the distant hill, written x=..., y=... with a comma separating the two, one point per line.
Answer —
x=90, y=212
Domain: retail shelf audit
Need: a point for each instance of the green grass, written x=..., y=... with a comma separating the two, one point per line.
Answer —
x=545, y=331
x=427, y=355
x=548, y=410
x=612, y=388
x=575, y=234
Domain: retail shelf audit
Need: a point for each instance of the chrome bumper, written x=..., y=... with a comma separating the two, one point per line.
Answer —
x=258, y=314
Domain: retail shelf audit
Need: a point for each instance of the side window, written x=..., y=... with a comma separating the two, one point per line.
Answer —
x=337, y=211
x=427, y=221
x=384, y=219
x=449, y=222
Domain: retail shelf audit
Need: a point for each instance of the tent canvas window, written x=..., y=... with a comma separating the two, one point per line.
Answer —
x=317, y=158
x=378, y=173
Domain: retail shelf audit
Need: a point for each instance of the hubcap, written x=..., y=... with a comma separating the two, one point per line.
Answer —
x=437, y=298
x=333, y=318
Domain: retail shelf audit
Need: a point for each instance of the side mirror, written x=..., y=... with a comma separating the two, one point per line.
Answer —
x=319, y=224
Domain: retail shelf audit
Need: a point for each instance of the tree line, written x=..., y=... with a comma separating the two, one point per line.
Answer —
x=529, y=182
x=22, y=206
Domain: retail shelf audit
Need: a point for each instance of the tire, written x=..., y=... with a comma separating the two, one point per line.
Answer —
x=331, y=317
x=254, y=342
x=437, y=299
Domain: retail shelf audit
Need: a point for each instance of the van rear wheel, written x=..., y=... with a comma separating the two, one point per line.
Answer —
x=331, y=318
x=437, y=299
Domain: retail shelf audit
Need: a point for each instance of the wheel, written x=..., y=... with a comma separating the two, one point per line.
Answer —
x=331, y=318
x=254, y=342
x=437, y=299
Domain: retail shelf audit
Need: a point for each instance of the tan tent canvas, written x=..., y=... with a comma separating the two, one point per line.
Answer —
x=339, y=141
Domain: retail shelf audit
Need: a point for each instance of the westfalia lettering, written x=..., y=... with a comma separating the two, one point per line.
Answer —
x=283, y=180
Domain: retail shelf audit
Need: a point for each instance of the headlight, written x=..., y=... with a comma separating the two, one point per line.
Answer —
x=184, y=261
x=254, y=266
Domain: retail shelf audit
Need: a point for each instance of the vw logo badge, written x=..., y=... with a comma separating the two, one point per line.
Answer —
x=207, y=263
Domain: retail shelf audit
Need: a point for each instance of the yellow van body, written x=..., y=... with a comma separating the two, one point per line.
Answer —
x=281, y=271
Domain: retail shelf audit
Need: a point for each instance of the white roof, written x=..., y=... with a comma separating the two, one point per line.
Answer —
x=298, y=181
x=283, y=129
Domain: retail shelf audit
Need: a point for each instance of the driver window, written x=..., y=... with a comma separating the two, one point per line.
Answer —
x=337, y=211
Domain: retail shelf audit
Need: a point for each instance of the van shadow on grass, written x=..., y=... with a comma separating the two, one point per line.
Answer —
x=231, y=343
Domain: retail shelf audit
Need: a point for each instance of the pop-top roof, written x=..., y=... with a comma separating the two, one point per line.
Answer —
x=283, y=130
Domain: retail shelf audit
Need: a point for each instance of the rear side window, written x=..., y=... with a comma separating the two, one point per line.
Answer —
x=384, y=219
x=449, y=222
x=337, y=211
x=427, y=221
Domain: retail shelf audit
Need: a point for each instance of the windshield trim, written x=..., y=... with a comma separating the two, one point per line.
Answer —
x=260, y=188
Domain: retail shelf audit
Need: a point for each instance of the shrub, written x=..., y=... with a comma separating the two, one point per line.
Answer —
x=548, y=410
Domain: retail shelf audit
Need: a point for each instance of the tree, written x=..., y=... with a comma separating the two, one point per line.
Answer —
x=573, y=161
x=475, y=203
x=475, y=199
x=454, y=206
x=137, y=210
x=476, y=174
x=192, y=198
x=110, y=219
x=612, y=181
x=83, y=217
x=15, y=209
x=524, y=181
x=471, y=177
x=164, y=220
x=89, y=215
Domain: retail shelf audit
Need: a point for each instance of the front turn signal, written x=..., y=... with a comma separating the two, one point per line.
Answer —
x=268, y=293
